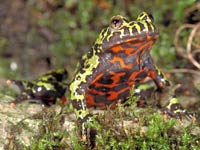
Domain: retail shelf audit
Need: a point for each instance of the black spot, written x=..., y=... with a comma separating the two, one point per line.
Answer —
x=150, y=17
x=87, y=66
x=106, y=80
x=76, y=104
x=103, y=89
x=126, y=31
x=176, y=106
x=78, y=78
x=91, y=86
x=132, y=23
x=91, y=52
x=81, y=71
x=134, y=30
x=103, y=32
x=141, y=26
x=148, y=25
x=107, y=94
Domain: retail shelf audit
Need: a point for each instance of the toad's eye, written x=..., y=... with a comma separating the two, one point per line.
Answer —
x=116, y=22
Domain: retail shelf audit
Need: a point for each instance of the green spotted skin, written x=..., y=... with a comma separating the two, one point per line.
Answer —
x=47, y=89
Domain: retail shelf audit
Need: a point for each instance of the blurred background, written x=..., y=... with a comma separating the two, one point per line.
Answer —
x=38, y=35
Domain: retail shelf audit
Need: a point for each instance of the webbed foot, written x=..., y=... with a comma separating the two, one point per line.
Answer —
x=175, y=110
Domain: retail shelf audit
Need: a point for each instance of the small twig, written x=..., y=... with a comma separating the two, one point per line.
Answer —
x=179, y=49
x=183, y=70
x=189, y=46
x=196, y=51
x=188, y=53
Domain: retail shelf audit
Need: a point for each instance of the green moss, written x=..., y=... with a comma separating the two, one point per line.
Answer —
x=148, y=130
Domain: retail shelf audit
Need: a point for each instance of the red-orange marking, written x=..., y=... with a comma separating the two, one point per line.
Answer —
x=138, y=60
x=131, y=40
x=152, y=38
x=121, y=62
x=93, y=91
x=117, y=48
x=63, y=100
x=132, y=77
x=128, y=51
x=115, y=94
x=141, y=47
x=151, y=74
x=89, y=100
x=141, y=44
x=115, y=78
x=97, y=78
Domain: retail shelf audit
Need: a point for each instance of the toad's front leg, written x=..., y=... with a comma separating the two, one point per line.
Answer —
x=82, y=115
x=77, y=94
x=173, y=108
x=84, y=119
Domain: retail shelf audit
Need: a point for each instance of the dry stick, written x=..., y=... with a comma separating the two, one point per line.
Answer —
x=189, y=46
x=196, y=51
x=176, y=40
x=181, y=51
x=183, y=70
x=189, y=55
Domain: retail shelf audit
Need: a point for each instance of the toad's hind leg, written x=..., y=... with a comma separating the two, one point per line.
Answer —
x=25, y=91
x=78, y=100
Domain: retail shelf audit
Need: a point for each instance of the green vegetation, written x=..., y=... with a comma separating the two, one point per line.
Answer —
x=118, y=129
x=147, y=130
